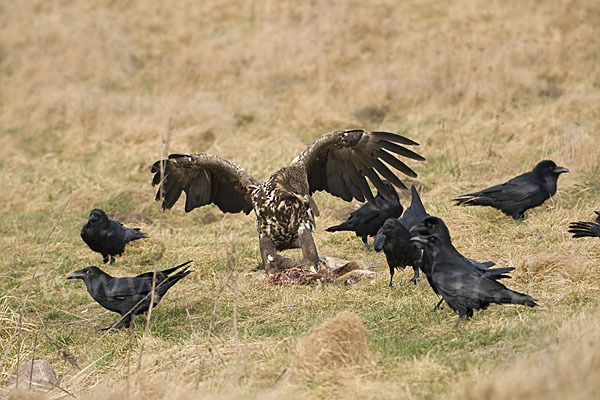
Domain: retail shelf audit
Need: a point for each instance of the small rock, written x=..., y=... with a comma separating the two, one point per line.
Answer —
x=42, y=376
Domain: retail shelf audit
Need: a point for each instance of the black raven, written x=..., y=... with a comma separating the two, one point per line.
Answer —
x=519, y=194
x=336, y=162
x=436, y=226
x=106, y=236
x=128, y=296
x=463, y=287
x=583, y=229
x=367, y=220
x=394, y=238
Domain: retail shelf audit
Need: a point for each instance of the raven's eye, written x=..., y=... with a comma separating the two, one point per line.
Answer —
x=87, y=271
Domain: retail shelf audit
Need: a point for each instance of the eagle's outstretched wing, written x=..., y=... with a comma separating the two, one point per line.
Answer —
x=338, y=163
x=205, y=179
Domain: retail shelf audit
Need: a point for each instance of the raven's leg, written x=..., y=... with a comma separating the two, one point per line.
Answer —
x=364, y=240
x=273, y=262
x=112, y=260
x=392, y=270
x=518, y=216
x=127, y=321
x=105, y=258
x=460, y=317
x=437, y=306
x=109, y=326
x=415, y=275
x=309, y=249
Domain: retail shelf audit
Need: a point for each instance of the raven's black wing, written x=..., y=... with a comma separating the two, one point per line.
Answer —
x=473, y=289
x=415, y=212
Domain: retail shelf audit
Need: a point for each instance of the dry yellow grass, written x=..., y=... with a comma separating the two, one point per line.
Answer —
x=89, y=91
x=568, y=368
x=331, y=347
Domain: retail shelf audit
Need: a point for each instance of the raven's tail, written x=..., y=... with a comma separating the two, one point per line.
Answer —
x=583, y=229
x=173, y=279
x=162, y=275
x=507, y=296
x=171, y=270
x=134, y=234
x=344, y=226
x=473, y=199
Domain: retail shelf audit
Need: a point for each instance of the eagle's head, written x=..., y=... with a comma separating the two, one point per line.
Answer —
x=291, y=179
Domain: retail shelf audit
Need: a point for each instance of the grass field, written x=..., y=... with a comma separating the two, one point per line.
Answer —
x=91, y=93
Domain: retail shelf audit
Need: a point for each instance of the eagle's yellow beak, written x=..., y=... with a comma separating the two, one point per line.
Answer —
x=313, y=205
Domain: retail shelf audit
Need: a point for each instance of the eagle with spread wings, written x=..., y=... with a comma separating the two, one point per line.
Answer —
x=337, y=162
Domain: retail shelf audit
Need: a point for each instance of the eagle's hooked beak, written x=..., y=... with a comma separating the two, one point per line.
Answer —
x=312, y=204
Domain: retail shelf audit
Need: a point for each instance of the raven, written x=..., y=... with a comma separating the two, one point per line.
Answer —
x=436, y=226
x=583, y=229
x=128, y=296
x=394, y=238
x=462, y=286
x=106, y=236
x=519, y=194
x=337, y=162
x=367, y=220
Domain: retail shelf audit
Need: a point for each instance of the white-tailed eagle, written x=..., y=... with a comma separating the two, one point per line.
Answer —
x=337, y=162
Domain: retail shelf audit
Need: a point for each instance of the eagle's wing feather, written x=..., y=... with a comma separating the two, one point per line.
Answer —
x=338, y=162
x=205, y=179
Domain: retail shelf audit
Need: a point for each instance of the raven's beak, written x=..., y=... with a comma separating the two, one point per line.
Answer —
x=420, y=239
x=76, y=275
x=560, y=170
x=420, y=228
x=379, y=241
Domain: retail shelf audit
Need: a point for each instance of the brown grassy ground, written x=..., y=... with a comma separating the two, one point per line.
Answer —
x=89, y=92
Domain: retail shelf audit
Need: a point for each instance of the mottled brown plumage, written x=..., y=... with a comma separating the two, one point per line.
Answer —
x=336, y=162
